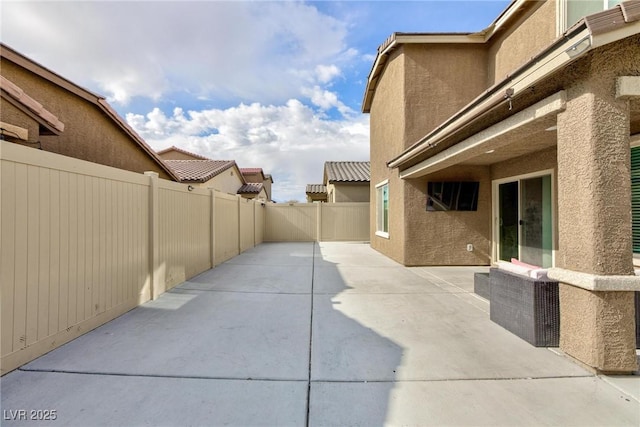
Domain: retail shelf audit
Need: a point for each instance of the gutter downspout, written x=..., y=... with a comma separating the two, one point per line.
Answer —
x=501, y=92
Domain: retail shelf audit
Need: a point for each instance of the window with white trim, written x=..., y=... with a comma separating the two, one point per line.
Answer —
x=382, y=209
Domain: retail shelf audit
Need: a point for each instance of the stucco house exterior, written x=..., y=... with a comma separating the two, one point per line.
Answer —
x=515, y=143
x=43, y=110
x=200, y=171
x=316, y=193
x=345, y=181
x=221, y=175
x=177, y=153
x=257, y=176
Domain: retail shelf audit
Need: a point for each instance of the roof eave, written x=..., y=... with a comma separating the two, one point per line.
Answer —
x=99, y=101
x=395, y=39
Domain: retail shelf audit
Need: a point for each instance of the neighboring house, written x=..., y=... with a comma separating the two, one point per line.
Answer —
x=257, y=176
x=346, y=181
x=221, y=175
x=200, y=171
x=175, y=153
x=254, y=190
x=42, y=109
x=531, y=123
x=316, y=193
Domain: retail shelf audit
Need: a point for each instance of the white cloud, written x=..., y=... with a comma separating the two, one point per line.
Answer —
x=326, y=73
x=290, y=141
x=266, y=51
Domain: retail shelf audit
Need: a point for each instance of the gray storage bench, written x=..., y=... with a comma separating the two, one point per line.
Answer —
x=525, y=306
x=481, y=285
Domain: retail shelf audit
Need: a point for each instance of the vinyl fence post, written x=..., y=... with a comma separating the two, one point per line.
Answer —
x=212, y=240
x=319, y=219
x=156, y=283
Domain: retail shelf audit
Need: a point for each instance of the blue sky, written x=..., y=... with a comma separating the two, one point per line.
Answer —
x=270, y=84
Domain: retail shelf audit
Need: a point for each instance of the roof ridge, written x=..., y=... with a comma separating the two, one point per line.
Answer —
x=173, y=147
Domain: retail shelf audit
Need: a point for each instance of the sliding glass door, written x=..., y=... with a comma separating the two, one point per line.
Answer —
x=524, y=223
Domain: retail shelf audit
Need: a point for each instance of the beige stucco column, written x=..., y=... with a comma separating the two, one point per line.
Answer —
x=594, y=261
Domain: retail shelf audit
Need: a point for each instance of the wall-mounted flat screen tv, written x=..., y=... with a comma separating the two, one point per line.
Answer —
x=452, y=196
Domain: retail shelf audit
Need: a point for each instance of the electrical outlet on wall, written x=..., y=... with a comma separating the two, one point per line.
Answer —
x=469, y=247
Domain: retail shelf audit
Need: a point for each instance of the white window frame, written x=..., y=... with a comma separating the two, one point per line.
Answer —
x=379, y=208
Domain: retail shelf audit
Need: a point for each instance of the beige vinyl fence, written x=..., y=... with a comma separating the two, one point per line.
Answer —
x=317, y=221
x=82, y=243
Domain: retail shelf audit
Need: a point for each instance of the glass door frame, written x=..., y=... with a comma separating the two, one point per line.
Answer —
x=495, y=212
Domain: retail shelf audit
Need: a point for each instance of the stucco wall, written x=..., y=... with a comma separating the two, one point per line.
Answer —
x=525, y=38
x=441, y=238
x=89, y=134
x=226, y=182
x=345, y=192
x=11, y=115
x=176, y=155
x=387, y=140
x=452, y=75
x=539, y=161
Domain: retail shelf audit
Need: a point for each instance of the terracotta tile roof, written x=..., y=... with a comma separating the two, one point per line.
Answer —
x=251, y=188
x=180, y=150
x=15, y=92
x=198, y=170
x=250, y=171
x=316, y=189
x=347, y=172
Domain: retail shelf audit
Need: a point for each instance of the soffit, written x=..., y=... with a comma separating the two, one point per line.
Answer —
x=520, y=134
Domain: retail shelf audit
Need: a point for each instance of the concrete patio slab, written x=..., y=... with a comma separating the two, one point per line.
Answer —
x=244, y=278
x=280, y=254
x=329, y=334
x=106, y=400
x=520, y=402
x=358, y=279
x=197, y=334
x=420, y=337
x=455, y=279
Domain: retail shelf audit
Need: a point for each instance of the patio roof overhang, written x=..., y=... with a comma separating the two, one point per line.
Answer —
x=592, y=32
x=529, y=130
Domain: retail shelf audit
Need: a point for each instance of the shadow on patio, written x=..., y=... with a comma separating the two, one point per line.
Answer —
x=313, y=334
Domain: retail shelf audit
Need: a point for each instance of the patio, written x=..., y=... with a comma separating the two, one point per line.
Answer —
x=314, y=334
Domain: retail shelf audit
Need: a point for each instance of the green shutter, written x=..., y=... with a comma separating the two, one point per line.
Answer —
x=635, y=197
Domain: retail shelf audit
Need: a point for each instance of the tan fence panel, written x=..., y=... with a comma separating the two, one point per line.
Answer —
x=227, y=235
x=344, y=222
x=259, y=209
x=73, y=249
x=291, y=223
x=184, y=229
x=247, y=224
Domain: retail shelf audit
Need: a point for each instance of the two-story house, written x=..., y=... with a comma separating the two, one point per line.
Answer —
x=514, y=143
